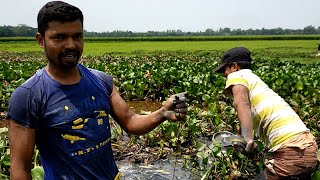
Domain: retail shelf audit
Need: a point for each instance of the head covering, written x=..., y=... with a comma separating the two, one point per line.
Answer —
x=237, y=54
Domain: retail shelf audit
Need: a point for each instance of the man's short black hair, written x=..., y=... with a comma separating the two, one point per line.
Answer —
x=57, y=11
x=241, y=64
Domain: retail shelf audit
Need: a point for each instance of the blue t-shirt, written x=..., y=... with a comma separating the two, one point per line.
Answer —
x=71, y=123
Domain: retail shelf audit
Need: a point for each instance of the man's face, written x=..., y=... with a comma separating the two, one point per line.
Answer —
x=227, y=71
x=63, y=43
x=230, y=69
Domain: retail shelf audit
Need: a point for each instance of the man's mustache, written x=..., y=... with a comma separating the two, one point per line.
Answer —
x=68, y=52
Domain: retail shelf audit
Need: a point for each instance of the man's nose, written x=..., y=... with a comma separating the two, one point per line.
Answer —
x=70, y=43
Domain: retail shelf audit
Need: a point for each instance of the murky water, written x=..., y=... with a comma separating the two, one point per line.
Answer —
x=144, y=106
x=167, y=169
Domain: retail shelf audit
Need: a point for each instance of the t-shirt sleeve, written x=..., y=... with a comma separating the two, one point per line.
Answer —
x=105, y=79
x=22, y=108
x=234, y=79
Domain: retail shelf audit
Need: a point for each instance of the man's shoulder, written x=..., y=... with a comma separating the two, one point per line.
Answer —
x=96, y=72
x=103, y=78
x=101, y=75
x=33, y=80
x=241, y=73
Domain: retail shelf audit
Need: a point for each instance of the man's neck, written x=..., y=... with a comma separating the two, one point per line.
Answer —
x=64, y=76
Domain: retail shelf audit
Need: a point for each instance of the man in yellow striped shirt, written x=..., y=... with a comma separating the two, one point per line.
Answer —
x=264, y=112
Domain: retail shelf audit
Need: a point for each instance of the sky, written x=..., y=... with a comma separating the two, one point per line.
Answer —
x=184, y=15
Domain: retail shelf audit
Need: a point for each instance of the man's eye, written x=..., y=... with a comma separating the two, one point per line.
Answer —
x=79, y=36
x=58, y=37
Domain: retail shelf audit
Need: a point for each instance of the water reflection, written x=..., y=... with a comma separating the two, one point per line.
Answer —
x=165, y=169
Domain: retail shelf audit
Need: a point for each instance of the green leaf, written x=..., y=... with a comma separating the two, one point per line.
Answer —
x=229, y=151
x=205, y=97
x=299, y=85
x=200, y=146
x=316, y=175
x=201, y=155
x=217, y=120
x=37, y=173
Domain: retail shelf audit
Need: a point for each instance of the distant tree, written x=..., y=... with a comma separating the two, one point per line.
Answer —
x=6, y=31
x=25, y=31
x=209, y=32
x=309, y=30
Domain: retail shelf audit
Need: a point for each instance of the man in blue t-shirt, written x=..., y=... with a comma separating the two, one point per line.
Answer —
x=64, y=108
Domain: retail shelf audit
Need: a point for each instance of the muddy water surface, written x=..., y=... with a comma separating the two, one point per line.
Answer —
x=144, y=106
x=167, y=169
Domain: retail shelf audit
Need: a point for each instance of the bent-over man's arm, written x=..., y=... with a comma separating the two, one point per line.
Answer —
x=242, y=106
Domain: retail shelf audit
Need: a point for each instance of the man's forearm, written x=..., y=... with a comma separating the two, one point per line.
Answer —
x=20, y=174
x=141, y=124
x=245, y=117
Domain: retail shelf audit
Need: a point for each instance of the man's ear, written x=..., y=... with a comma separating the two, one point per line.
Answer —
x=235, y=66
x=40, y=40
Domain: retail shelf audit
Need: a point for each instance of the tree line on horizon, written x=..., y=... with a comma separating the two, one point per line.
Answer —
x=26, y=31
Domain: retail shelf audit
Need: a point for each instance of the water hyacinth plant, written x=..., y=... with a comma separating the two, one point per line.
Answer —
x=155, y=76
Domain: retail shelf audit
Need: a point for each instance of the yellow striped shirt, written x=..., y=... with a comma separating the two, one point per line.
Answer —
x=274, y=121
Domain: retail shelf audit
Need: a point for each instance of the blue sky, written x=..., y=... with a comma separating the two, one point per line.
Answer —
x=186, y=15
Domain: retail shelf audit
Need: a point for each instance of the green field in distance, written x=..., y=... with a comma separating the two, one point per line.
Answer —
x=96, y=47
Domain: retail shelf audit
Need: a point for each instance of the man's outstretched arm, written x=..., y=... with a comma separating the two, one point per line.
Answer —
x=140, y=124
